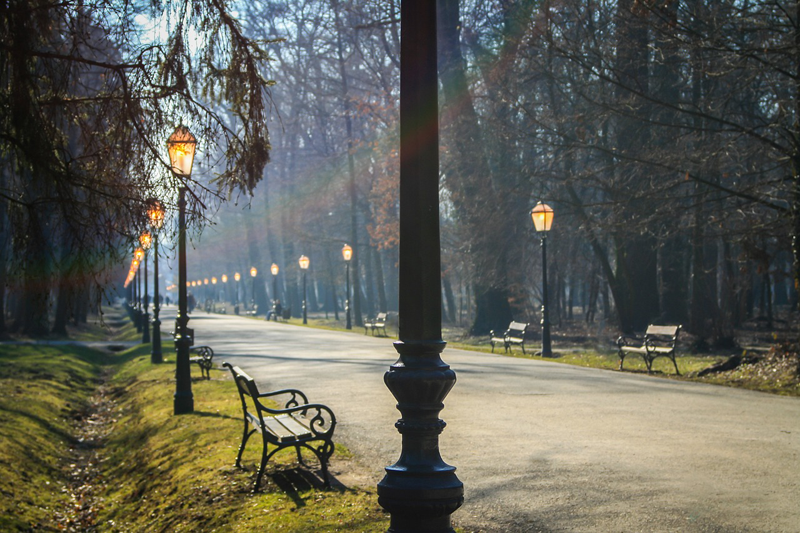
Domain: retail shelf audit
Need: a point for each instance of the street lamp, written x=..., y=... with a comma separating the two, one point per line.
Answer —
x=542, y=215
x=253, y=274
x=134, y=293
x=236, y=277
x=145, y=240
x=274, y=270
x=304, y=262
x=181, y=146
x=139, y=255
x=420, y=490
x=214, y=289
x=347, y=254
x=156, y=215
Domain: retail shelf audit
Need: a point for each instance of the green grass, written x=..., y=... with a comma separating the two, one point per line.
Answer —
x=180, y=474
x=41, y=388
x=162, y=472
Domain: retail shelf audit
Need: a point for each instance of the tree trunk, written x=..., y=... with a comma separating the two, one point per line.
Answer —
x=37, y=279
x=355, y=261
x=468, y=178
x=382, y=305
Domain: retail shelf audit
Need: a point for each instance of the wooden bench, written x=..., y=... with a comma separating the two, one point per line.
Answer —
x=658, y=341
x=379, y=322
x=203, y=359
x=298, y=425
x=515, y=334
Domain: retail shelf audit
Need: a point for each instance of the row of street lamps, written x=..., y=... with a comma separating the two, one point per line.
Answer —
x=304, y=262
x=420, y=491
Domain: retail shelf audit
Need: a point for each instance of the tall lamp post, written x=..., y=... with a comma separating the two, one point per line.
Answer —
x=347, y=254
x=214, y=287
x=304, y=263
x=139, y=254
x=420, y=490
x=253, y=274
x=145, y=240
x=134, y=295
x=542, y=215
x=225, y=293
x=181, y=146
x=274, y=270
x=156, y=215
x=236, y=278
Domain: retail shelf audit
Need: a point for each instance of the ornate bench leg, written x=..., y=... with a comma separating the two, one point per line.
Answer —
x=621, y=360
x=245, y=436
x=677, y=372
x=264, y=458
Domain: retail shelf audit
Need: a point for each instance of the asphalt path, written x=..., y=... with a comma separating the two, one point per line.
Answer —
x=542, y=446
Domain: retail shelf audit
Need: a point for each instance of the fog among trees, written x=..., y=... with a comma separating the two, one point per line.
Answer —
x=663, y=134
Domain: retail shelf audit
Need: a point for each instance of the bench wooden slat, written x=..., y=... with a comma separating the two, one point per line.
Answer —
x=274, y=426
x=295, y=426
x=670, y=331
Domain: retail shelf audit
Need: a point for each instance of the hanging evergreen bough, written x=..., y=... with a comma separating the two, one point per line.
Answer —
x=90, y=91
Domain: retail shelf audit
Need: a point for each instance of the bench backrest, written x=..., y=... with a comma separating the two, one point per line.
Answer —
x=247, y=387
x=246, y=384
x=517, y=328
x=381, y=317
x=670, y=333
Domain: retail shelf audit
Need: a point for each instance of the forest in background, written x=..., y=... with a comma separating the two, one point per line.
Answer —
x=663, y=134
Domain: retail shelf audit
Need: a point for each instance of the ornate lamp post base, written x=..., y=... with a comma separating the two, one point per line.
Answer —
x=420, y=490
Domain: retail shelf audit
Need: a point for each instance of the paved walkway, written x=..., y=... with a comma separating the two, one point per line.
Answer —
x=542, y=446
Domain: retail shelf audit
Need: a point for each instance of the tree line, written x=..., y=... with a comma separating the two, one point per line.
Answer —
x=90, y=91
x=663, y=134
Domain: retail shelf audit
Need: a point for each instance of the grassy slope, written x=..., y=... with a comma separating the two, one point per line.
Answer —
x=179, y=473
x=40, y=387
x=162, y=472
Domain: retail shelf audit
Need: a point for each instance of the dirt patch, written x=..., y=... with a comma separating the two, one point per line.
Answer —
x=91, y=427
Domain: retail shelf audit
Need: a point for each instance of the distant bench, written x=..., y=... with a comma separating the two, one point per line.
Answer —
x=203, y=359
x=298, y=425
x=658, y=341
x=379, y=322
x=515, y=334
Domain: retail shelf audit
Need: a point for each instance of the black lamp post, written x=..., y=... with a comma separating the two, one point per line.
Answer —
x=253, y=274
x=347, y=254
x=181, y=145
x=304, y=262
x=420, y=490
x=145, y=240
x=225, y=293
x=214, y=289
x=274, y=271
x=134, y=294
x=542, y=215
x=156, y=215
x=236, y=278
x=139, y=254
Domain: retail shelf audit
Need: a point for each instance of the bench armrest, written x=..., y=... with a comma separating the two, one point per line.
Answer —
x=628, y=341
x=293, y=401
x=319, y=416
